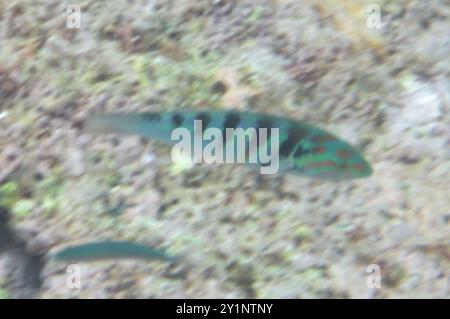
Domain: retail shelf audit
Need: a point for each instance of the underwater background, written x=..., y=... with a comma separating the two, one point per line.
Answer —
x=375, y=73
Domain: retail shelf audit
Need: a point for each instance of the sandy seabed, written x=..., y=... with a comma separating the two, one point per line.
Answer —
x=384, y=88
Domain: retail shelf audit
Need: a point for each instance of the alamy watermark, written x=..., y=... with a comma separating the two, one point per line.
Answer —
x=373, y=280
x=373, y=20
x=207, y=146
x=73, y=20
x=73, y=279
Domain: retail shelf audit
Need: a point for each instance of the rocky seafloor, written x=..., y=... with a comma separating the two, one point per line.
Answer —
x=386, y=89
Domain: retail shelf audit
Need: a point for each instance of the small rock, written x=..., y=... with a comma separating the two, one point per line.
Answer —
x=304, y=261
x=74, y=163
x=236, y=94
x=399, y=232
x=8, y=86
x=422, y=104
x=410, y=154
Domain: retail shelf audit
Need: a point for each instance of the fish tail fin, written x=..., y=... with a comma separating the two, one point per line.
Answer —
x=151, y=125
x=112, y=124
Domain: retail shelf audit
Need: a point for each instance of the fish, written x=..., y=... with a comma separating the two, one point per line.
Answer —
x=112, y=250
x=304, y=149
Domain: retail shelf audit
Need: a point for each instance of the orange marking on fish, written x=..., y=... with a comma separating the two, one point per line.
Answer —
x=358, y=167
x=321, y=164
x=345, y=155
x=323, y=138
x=319, y=150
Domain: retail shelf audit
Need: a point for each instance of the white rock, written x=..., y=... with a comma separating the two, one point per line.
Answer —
x=399, y=232
x=421, y=103
x=303, y=261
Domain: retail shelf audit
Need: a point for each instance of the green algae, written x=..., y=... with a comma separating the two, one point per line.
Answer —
x=50, y=205
x=4, y=294
x=255, y=15
x=9, y=194
x=303, y=233
x=23, y=208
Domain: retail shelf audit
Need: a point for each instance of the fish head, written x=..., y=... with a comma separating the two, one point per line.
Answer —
x=331, y=158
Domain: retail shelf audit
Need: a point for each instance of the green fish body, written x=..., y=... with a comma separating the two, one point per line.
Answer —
x=111, y=250
x=303, y=148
